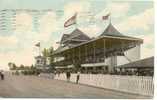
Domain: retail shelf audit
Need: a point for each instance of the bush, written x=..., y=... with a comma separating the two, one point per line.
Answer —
x=17, y=73
x=31, y=72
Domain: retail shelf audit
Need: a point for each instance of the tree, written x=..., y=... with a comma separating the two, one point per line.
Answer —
x=45, y=52
x=21, y=67
x=51, y=50
x=12, y=66
x=48, y=54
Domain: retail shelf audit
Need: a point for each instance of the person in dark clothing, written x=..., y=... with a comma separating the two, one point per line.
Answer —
x=68, y=74
x=2, y=76
x=78, y=77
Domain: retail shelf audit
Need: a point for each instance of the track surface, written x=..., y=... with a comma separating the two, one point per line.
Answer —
x=38, y=87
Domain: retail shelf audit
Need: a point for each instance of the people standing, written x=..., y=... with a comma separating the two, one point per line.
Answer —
x=2, y=75
x=68, y=74
x=78, y=77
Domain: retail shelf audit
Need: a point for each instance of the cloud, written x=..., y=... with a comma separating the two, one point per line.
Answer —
x=47, y=25
x=148, y=39
x=147, y=48
x=115, y=9
x=25, y=25
x=77, y=6
x=23, y=22
x=91, y=30
x=8, y=41
x=141, y=21
x=24, y=38
x=25, y=57
x=27, y=36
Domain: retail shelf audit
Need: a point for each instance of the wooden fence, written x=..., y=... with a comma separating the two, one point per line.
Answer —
x=130, y=84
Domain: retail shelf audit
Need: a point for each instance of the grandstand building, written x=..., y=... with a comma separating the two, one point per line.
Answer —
x=101, y=54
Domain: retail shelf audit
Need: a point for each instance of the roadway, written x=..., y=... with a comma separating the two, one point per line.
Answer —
x=38, y=87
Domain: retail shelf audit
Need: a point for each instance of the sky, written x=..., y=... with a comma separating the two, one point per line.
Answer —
x=130, y=17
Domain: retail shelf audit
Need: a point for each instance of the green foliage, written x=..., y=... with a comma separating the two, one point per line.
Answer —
x=21, y=67
x=49, y=53
x=45, y=52
x=51, y=50
x=25, y=70
x=12, y=66
x=31, y=71
x=16, y=73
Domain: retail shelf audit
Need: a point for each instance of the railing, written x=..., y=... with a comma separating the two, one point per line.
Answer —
x=130, y=84
x=99, y=55
x=45, y=75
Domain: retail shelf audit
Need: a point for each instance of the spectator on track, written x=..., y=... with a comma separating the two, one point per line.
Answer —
x=78, y=77
x=2, y=75
x=68, y=74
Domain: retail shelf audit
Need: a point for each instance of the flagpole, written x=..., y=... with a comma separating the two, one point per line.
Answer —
x=110, y=19
x=76, y=21
x=39, y=51
x=76, y=25
x=38, y=45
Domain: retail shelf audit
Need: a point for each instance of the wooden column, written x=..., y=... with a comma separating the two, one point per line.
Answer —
x=85, y=53
x=73, y=55
x=104, y=50
x=94, y=52
x=79, y=54
x=104, y=55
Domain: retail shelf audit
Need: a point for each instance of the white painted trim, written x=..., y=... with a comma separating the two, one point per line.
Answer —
x=93, y=64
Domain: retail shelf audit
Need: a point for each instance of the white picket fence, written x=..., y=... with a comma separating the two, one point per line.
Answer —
x=44, y=75
x=130, y=84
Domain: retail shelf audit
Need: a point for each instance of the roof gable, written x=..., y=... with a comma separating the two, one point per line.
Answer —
x=112, y=31
x=76, y=34
x=64, y=37
x=147, y=62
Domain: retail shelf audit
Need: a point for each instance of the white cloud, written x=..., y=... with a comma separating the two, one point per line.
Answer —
x=24, y=22
x=25, y=38
x=146, y=52
x=148, y=41
x=6, y=41
x=48, y=24
x=91, y=30
x=25, y=57
x=115, y=9
x=77, y=6
x=140, y=21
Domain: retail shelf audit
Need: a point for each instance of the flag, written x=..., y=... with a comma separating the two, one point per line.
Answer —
x=106, y=16
x=38, y=44
x=71, y=21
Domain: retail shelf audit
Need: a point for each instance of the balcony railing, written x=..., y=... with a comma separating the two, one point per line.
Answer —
x=90, y=57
